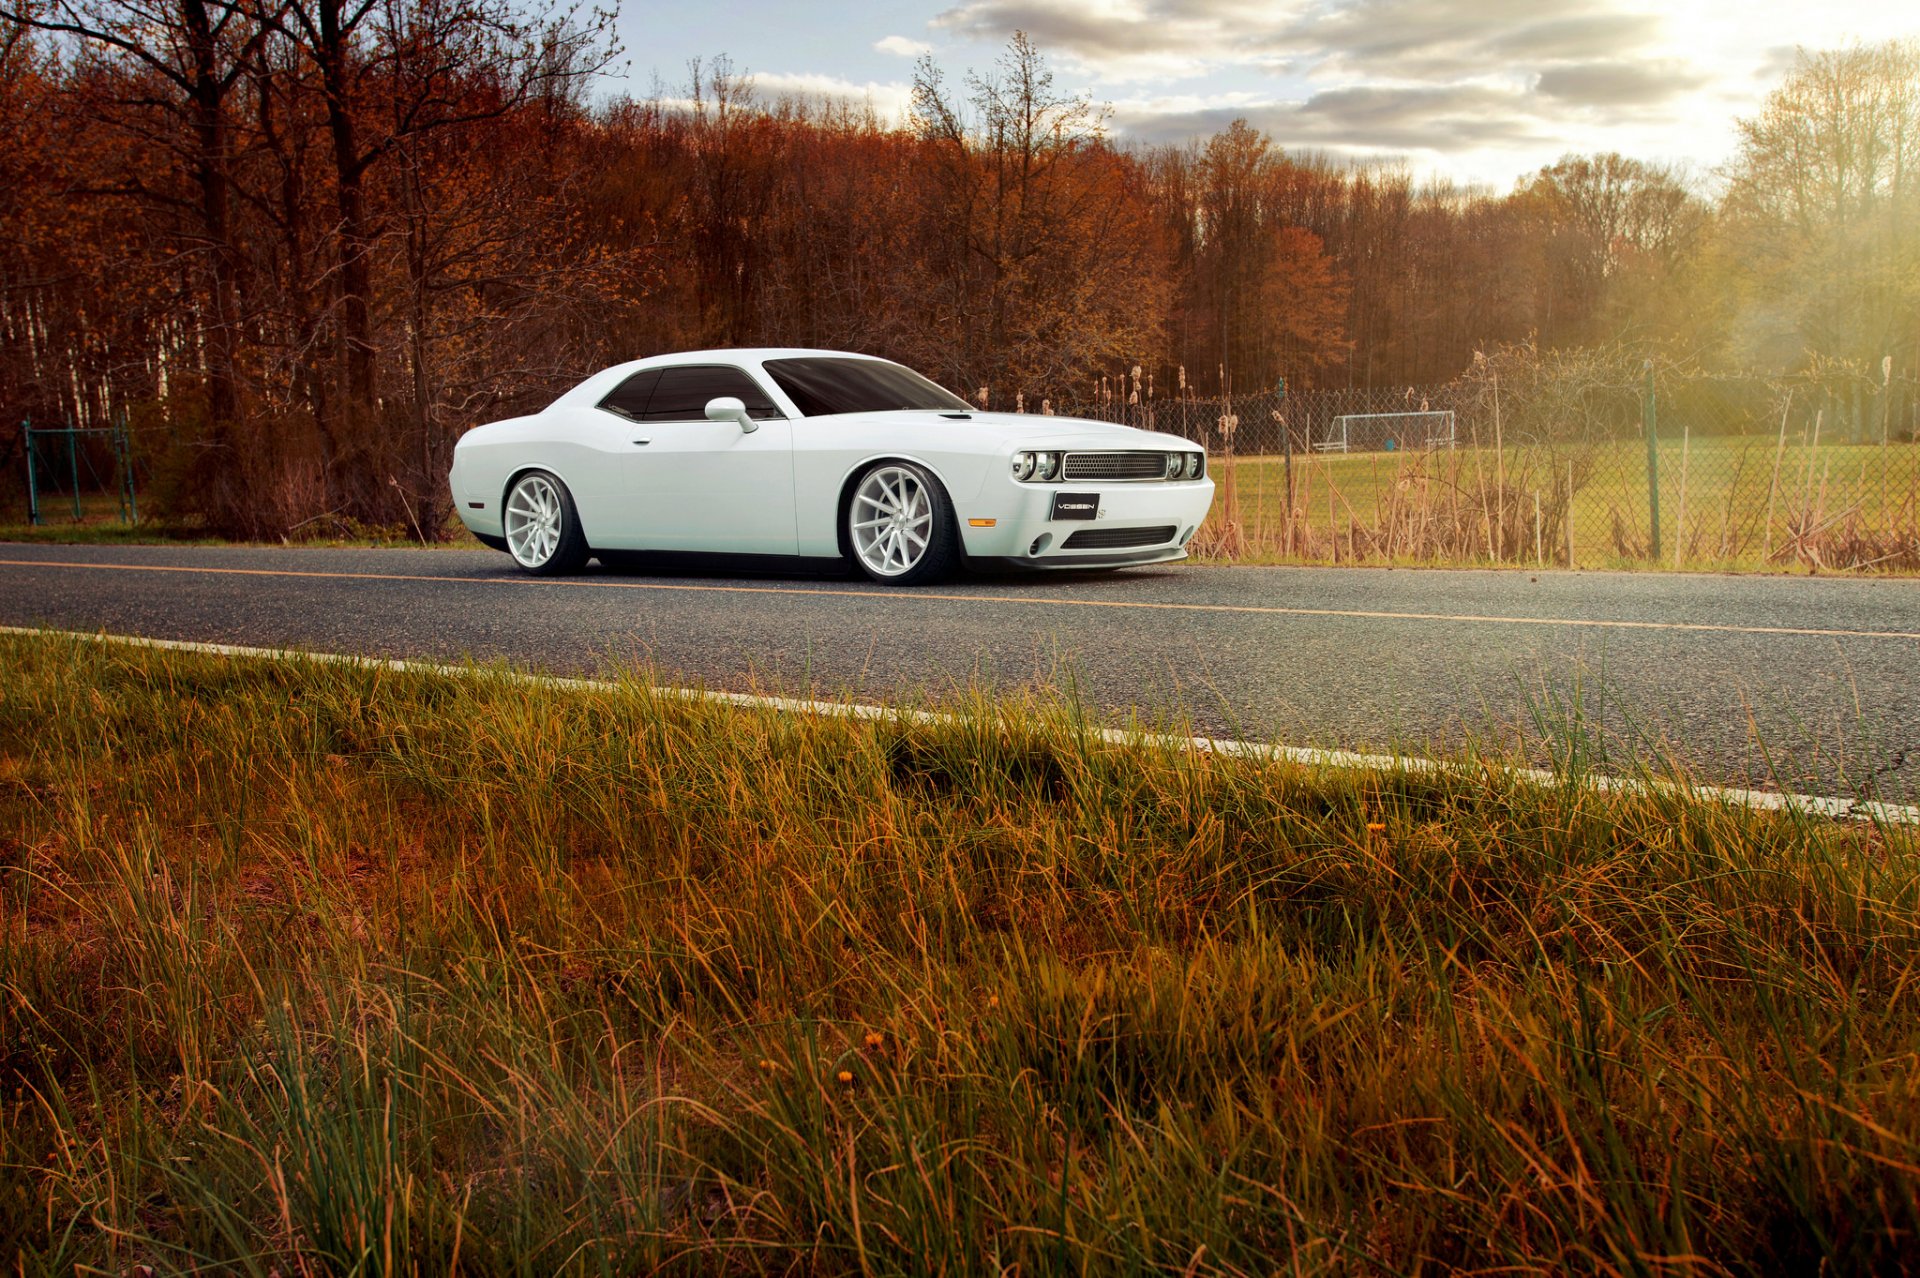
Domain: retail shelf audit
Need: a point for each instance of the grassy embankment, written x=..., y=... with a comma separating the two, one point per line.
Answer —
x=316, y=969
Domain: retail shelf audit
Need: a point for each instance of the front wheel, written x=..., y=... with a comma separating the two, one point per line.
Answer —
x=900, y=525
x=542, y=527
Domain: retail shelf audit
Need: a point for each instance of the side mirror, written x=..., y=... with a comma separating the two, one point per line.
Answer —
x=729, y=409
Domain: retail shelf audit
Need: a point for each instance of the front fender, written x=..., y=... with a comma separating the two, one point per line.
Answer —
x=823, y=490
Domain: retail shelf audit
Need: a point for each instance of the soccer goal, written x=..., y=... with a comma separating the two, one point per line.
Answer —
x=1374, y=432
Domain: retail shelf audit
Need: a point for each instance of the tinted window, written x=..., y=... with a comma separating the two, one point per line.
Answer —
x=682, y=393
x=629, y=398
x=820, y=387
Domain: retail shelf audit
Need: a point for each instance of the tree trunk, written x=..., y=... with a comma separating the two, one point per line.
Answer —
x=356, y=325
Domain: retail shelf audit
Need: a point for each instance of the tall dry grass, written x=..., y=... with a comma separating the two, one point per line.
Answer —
x=1726, y=504
x=325, y=970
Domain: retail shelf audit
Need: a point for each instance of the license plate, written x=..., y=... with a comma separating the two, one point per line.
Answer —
x=1076, y=505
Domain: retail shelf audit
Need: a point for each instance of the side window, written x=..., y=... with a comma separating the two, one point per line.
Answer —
x=682, y=393
x=629, y=398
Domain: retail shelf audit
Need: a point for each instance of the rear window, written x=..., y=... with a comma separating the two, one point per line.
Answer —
x=821, y=386
x=681, y=394
x=629, y=398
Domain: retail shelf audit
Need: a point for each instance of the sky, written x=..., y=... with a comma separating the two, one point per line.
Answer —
x=1482, y=92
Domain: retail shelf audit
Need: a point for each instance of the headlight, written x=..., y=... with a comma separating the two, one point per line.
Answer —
x=1176, y=464
x=1023, y=466
x=1194, y=461
x=1045, y=464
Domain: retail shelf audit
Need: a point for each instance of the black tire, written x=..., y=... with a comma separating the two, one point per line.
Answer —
x=899, y=481
x=548, y=541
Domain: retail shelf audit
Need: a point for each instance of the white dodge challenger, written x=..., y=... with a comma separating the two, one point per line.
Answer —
x=819, y=454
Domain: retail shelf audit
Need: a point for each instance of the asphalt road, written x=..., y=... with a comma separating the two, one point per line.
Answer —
x=1799, y=683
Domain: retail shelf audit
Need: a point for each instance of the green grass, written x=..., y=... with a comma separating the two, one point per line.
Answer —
x=67, y=533
x=322, y=969
x=1744, y=500
x=101, y=524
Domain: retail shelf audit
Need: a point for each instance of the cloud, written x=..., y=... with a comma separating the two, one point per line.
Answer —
x=1578, y=37
x=1446, y=39
x=1368, y=121
x=1430, y=117
x=1775, y=63
x=1098, y=28
x=890, y=99
x=1619, y=84
x=1438, y=79
x=1479, y=88
x=902, y=47
x=1121, y=40
x=1116, y=39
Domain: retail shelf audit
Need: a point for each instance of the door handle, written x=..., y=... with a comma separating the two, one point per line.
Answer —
x=643, y=441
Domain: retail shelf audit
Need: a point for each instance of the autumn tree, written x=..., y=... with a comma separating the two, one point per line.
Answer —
x=1820, y=211
x=1042, y=255
x=841, y=257
x=388, y=77
x=1261, y=297
x=484, y=109
x=1617, y=232
x=29, y=279
x=162, y=72
x=1230, y=230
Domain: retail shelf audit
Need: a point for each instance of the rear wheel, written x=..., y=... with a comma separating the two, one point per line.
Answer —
x=542, y=527
x=900, y=525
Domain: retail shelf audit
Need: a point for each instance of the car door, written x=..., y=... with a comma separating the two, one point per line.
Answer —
x=600, y=444
x=700, y=485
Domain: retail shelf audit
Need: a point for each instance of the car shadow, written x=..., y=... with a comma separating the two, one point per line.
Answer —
x=690, y=566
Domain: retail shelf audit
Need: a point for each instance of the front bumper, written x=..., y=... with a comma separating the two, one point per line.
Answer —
x=1085, y=561
x=1026, y=534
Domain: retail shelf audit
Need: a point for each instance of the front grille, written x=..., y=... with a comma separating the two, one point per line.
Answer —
x=1082, y=466
x=1117, y=538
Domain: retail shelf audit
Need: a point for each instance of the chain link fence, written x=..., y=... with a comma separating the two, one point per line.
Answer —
x=70, y=475
x=1666, y=468
x=1556, y=459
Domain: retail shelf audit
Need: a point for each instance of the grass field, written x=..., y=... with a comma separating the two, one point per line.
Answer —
x=1742, y=503
x=328, y=970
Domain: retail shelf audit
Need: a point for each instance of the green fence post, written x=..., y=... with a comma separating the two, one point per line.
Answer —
x=73, y=473
x=1286, y=444
x=1650, y=416
x=33, y=488
x=126, y=471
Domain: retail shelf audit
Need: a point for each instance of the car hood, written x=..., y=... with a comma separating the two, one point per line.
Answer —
x=1025, y=430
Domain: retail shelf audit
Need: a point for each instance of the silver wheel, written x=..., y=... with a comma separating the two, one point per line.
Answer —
x=891, y=521
x=535, y=521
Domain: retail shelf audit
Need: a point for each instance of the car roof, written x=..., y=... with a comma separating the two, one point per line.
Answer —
x=592, y=389
x=745, y=354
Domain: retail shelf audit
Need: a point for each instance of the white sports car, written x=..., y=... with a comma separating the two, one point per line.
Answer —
x=819, y=454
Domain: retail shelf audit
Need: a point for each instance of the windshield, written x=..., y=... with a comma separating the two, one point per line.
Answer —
x=823, y=386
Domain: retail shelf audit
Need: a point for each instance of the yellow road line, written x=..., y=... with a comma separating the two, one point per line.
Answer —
x=910, y=596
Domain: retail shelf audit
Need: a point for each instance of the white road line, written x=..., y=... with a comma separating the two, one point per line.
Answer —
x=1879, y=813
x=998, y=601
